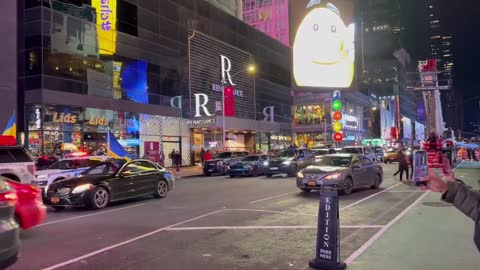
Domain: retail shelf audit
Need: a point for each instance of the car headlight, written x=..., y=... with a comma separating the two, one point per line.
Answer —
x=228, y=167
x=265, y=163
x=333, y=176
x=288, y=162
x=42, y=176
x=82, y=188
x=300, y=175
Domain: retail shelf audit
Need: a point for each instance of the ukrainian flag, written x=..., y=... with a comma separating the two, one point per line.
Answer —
x=115, y=150
x=11, y=129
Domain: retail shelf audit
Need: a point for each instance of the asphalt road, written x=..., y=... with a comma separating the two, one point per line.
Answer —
x=211, y=223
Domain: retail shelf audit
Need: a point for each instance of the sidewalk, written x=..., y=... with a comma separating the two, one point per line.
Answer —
x=187, y=172
x=431, y=236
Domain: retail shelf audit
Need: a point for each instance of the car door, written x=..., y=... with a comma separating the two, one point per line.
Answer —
x=124, y=186
x=368, y=168
x=146, y=181
x=358, y=172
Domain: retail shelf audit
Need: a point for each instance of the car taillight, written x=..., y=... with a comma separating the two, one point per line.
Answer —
x=8, y=199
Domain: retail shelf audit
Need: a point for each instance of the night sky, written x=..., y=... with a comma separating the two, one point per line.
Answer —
x=462, y=18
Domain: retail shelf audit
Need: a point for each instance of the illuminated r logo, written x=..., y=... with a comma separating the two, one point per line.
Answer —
x=202, y=105
x=226, y=67
x=269, y=113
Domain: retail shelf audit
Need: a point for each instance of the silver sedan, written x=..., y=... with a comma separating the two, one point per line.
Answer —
x=343, y=171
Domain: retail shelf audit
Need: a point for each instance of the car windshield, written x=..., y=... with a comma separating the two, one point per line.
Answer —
x=223, y=155
x=250, y=158
x=69, y=164
x=320, y=152
x=378, y=151
x=105, y=168
x=352, y=150
x=286, y=153
x=334, y=161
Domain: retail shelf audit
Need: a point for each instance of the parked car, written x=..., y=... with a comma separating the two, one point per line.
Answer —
x=218, y=164
x=29, y=210
x=366, y=151
x=379, y=153
x=15, y=162
x=289, y=162
x=343, y=171
x=9, y=230
x=252, y=165
x=111, y=181
x=391, y=156
x=66, y=168
x=321, y=152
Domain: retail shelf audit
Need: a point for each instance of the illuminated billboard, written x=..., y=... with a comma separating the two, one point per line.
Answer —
x=323, y=43
x=106, y=11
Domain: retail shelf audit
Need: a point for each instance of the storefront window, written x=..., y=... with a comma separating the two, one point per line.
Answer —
x=309, y=114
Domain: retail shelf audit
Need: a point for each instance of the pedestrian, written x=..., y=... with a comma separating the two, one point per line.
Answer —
x=410, y=160
x=402, y=165
x=461, y=196
x=207, y=156
x=202, y=154
x=177, y=160
x=171, y=156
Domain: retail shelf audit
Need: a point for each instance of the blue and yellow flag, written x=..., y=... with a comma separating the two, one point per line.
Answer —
x=115, y=149
x=11, y=128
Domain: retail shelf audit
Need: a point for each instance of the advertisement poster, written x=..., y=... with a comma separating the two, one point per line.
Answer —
x=152, y=150
x=419, y=131
x=323, y=42
x=407, y=128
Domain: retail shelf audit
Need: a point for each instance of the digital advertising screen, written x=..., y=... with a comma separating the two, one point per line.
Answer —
x=322, y=35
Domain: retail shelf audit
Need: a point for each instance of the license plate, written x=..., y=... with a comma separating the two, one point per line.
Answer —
x=312, y=183
x=274, y=169
x=211, y=170
x=55, y=200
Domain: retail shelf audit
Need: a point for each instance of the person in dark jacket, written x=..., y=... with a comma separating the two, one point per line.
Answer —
x=460, y=195
x=177, y=160
x=402, y=165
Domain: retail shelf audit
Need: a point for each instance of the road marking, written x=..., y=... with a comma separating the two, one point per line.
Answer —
x=268, y=227
x=369, y=197
x=374, y=238
x=89, y=215
x=406, y=191
x=272, y=211
x=274, y=197
x=62, y=264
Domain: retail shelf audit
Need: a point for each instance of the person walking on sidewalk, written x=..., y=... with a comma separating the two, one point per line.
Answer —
x=177, y=160
x=207, y=156
x=463, y=197
x=202, y=155
x=402, y=165
x=171, y=156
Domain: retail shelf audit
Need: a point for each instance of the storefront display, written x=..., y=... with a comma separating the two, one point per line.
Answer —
x=309, y=114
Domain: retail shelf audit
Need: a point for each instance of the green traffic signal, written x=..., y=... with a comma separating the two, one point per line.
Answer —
x=337, y=105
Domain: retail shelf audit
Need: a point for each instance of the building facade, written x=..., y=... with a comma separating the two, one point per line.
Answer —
x=268, y=16
x=142, y=70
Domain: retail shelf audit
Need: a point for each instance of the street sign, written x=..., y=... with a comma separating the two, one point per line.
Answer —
x=327, y=254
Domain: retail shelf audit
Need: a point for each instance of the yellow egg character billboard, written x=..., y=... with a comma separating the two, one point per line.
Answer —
x=323, y=44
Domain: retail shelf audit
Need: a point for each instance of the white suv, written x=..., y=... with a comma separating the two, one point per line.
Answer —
x=367, y=151
x=66, y=168
x=16, y=164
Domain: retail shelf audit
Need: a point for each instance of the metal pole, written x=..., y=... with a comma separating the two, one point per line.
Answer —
x=223, y=117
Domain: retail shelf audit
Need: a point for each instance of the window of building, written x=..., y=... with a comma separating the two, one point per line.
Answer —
x=127, y=19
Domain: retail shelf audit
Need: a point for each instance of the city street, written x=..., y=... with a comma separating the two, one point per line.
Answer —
x=212, y=223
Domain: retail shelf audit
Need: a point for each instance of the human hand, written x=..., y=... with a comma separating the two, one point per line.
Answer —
x=435, y=183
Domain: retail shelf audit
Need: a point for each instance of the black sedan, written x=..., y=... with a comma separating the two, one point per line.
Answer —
x=111, y=181
x=252, y=165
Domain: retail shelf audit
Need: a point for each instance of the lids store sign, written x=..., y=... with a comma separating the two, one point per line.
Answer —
x=73, y=119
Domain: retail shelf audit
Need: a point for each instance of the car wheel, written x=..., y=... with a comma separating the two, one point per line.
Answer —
x=268, y=175
x=306, y=190
x=207, y=174
x=255, y=171
x=161, y=190
x=58, y=208
x=377, y=181
x=347, y=186
x=294, y=172
x=99, y=198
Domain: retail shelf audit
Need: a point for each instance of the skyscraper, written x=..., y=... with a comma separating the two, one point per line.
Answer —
x=441, y=49
x=268, y=16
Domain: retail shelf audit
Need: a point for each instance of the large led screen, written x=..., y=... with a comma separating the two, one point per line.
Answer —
x=323, y=43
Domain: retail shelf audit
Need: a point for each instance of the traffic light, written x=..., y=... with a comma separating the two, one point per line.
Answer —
x=337, y=116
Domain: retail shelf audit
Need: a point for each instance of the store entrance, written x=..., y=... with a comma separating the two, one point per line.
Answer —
x=168, y=147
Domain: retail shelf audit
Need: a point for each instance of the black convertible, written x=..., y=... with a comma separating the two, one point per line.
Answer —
x=111, y=181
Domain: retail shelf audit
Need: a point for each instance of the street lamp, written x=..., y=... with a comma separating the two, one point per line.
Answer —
x=251, y=69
